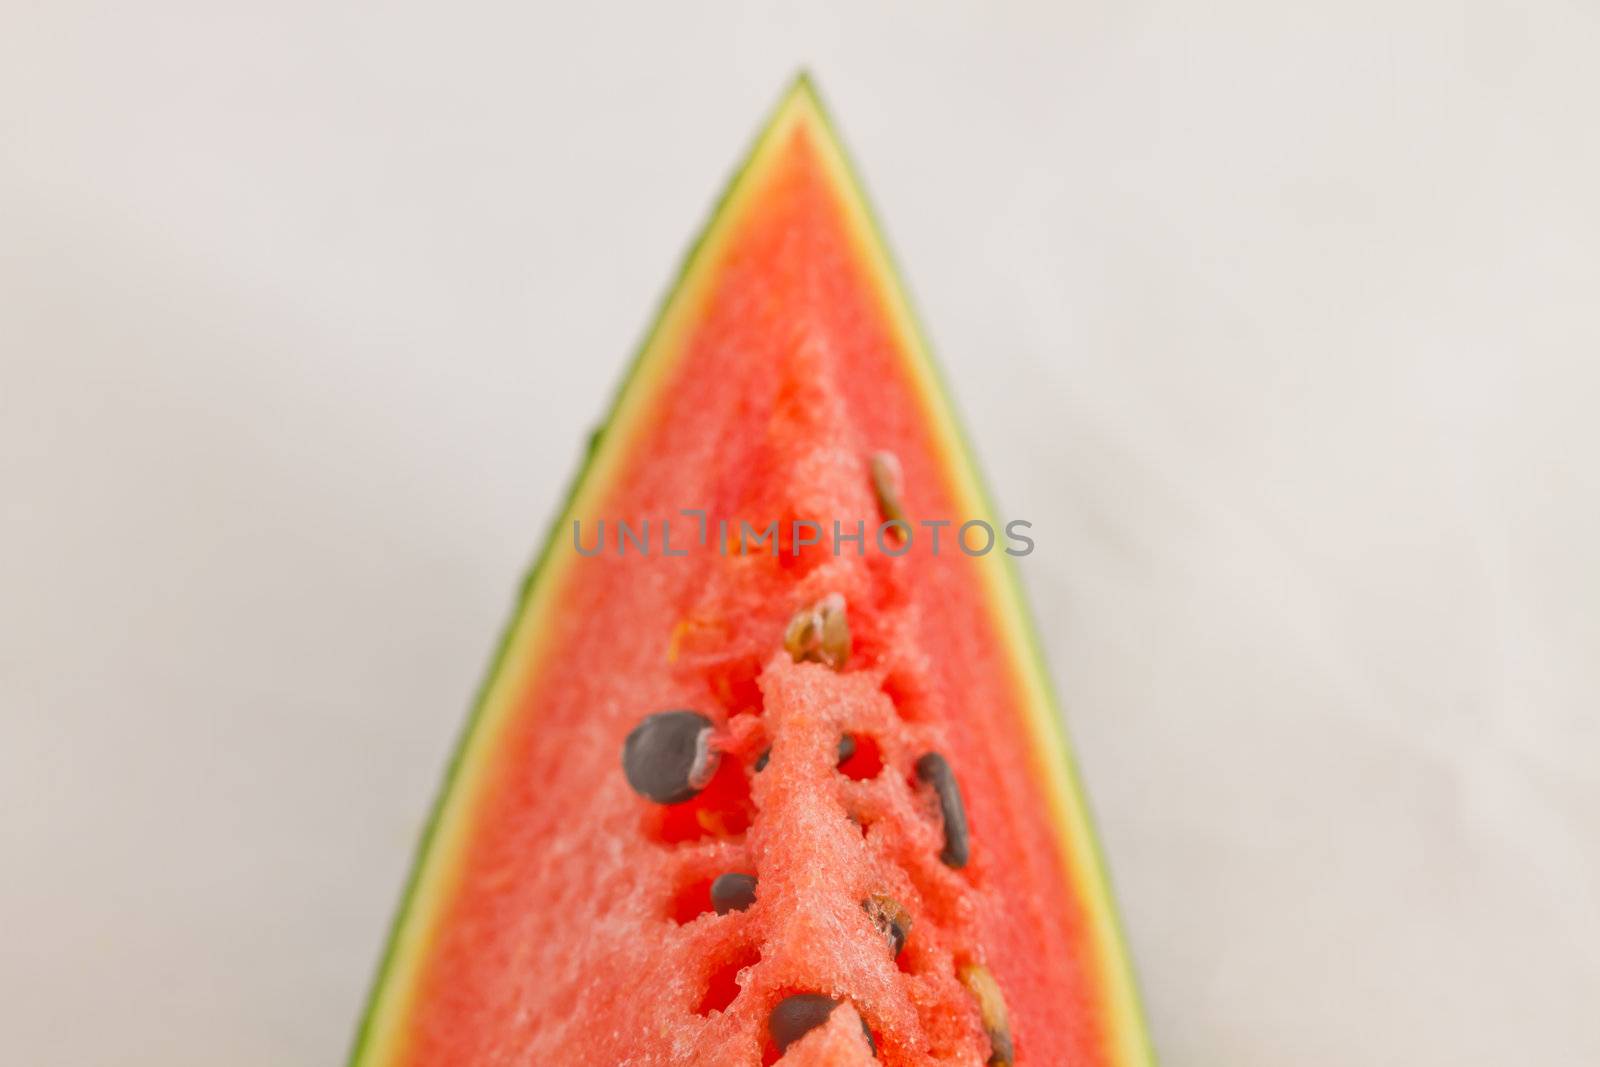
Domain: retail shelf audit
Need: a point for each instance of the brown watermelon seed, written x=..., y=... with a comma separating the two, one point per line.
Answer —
x=935, y=770
x=797, y=1015
x=892, y=921
x=733, y=892
x=834, y=640
x=761, y=760
x=887, y=480
x=668, y=757
x=820, y=633
x=992, y=1010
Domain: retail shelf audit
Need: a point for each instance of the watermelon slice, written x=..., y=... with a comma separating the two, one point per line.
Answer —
x=765, y=771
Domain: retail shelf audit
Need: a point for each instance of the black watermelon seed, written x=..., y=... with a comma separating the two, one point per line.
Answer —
x=733, y=892
x=797, y=1015
x=935, y=770
x=871, y=1044
x=668, y=756
x=891, y=920
x=761, y=760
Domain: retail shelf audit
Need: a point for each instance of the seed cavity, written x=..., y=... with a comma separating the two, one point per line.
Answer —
x=864, y=759
x=820, y=633
x=992, y=1010
x=733, y=892
x=887, y=479
x=723, y=808
x=892, y=921
x=691, y=901
x=668, y=757
x=934, y=770
x=722, y=984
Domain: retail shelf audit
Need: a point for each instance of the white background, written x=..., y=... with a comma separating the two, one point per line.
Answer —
x=1278, y=321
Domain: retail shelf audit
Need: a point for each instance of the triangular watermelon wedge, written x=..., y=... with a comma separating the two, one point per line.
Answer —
x=734, y=800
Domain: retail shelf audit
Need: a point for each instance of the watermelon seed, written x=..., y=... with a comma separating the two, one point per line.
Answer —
x=733, y=892
x=668, y=757
x=800, y=1013
x=992, y=1010
x=820, y=633
x=892, y=921
x=886, y=482
x=935, y=770
x=797, y=1015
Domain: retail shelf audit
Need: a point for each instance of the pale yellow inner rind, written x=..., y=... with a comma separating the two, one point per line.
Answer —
x=439, y=865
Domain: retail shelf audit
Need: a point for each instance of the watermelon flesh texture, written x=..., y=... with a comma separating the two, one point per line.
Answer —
x=558, y=916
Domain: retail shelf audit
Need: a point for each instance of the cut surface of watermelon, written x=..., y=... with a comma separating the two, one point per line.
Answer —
x=729, y=800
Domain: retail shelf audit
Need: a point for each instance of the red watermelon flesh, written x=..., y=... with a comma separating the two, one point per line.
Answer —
x=557, y=915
